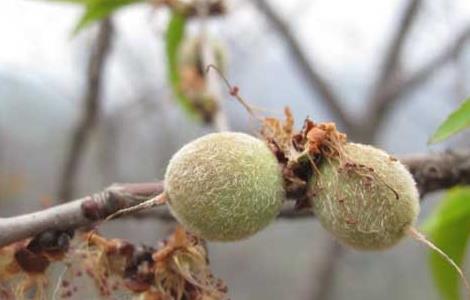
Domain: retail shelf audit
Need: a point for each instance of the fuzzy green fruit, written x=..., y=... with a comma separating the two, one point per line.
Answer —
x=367, y=199
x=224, y=186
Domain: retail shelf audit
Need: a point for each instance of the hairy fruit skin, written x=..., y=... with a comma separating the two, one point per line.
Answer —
x=369, y=206
x=224, y=186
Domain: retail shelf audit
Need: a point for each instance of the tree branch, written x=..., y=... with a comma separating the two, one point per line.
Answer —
x=431, y=172
x=81, y=212
x=430, y=68
x=327, y=271
x=394, y=51
x=317, y=83
x=391, y=94
x=434, y=172
x=89, y=119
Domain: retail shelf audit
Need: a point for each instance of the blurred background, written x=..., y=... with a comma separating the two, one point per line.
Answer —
x=388, y=72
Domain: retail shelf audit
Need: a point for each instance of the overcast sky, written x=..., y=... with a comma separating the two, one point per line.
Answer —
x=36, y=34
x=345, y=38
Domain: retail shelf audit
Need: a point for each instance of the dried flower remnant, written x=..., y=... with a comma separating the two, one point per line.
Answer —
x=181, y=269
x=22, y=272
x=300, y=153
x=177, y=270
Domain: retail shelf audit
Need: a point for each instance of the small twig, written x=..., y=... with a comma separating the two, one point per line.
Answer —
x=78, y=213
x=388, y=78
x=316, y=80
x=234, y=91
x=429, y=69
x=396, y=91
x=327, y=270
x=438, y=171
x=89, y=119
x=393, y=53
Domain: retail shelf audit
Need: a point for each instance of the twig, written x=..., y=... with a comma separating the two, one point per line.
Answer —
x=393, y=93
x=439, y=171
x=327, y=270
x=393, y=53
x=429, y=170
x=77, y=213
x=234, y=91
x=315, y=79
x=388, y=78
x=89, y=119
x=428, y=70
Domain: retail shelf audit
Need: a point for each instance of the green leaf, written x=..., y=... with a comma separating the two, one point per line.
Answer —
x=174, y=37
x=449, y=229
x=457, y=121
x=73, y=1
x=96, y=10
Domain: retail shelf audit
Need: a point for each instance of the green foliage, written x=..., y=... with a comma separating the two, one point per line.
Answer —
x=96, y=10
x=457, y=121
x=449, y=229
x=174, y=37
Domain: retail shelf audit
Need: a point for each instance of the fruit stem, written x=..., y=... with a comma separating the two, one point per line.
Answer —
x=153, y=202
x=418, y=236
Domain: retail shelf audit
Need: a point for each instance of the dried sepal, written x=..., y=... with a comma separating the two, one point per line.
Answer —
x=177, y=270
x=300, y=153
x=22, y=273
x=181, y=269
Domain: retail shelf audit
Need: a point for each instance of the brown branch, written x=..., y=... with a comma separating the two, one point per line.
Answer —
x=397, y=90
x=388, y=78
x=428, y=70
x=90, y=115
x=82, y=212
x=393, y=53
x=316, y=81
x=431, y=172
x=439, y=171
x=327, y=270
